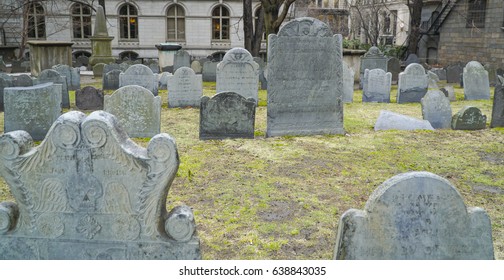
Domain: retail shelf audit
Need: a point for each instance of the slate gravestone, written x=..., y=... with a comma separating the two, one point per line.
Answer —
x=22, y=80
x=491, y=74
x=196, y=67
x=110, y=80
x=262, y=76
x=413, y=84
x=305, y=80
x=82, y=60
x=394, y=67
x=139, y=75
x=415, y=215
x=32, y=109
x=154, y=67
x=476, y=85
x=112, y=66
x=389, y=120
x=98, y=70
x=469, y=118
x=449, y=92
x=89, y=98
x=348, y=83
x=3, y=84
x=440, y=72
x=436, y=109
x=71, y=74
x=7, y=78
x=433, y=80
x=210, y=71
x=137, y=109
x=238, y=72
x=163, y=80
x=227, y=115
x=376, y=87
x=181, y=59
x=498, y=104
x=89, y=192
x=453, y=73
x=412, y=58
x=185, y=88
x=373, y=59
x=51, y=76
x=498, y=72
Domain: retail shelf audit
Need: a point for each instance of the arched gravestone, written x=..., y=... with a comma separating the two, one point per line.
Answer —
x=476, y=84
x=498, y=104
x=348, y=83
x=468, y=118
x=185, y=88
x=110, y=79
x=415, y=215
x=181, y=59
x=89, y=98
x=50, y=75
x=89, y=192
x=376, y=86
x=71, y=74
x=373, y=59
x=436, y=109
x=139, y=75
x=413, y=84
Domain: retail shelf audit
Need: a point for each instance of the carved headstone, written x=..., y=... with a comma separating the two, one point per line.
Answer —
x=210, y=71
x=348, y=83
x=305, y=80
x=163, y=80
x=22, y=81
x=469, y=118
x=498, y=104
x=436, y=109
x=110, y=79
x=392, y=121
x=373, y=59
x=185, y=88
x=71, y=74
x=413, y=84
x=227, y=115
x=376, y=86
x=453, y=73
x=181, y=59
x=89, y=98
x=415, y=215
x=52, y=76
x=98, y=70
x=139, y=75
x=394, y=67
x=476, y=85
x=89, y=192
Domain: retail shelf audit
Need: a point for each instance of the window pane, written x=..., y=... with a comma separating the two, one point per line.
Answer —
x=132, y=10
x=133, y=27
x=123, y=23
x=216, y=29
x=180, y=29
x=225, y=29
x=123, y=10
x=171, y=11
x=171, y=29
x=77, y=27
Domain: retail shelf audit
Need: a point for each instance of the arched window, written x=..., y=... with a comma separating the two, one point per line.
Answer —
x=128, y=22
x=175, y=23
x=476, y=13
x=220, y=23
x=81, y=21
x=36, y=21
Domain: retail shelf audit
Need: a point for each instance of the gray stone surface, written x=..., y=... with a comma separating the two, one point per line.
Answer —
x=373, y=59
x=412, y=58
x=210, y=71
x=154, y=67
x=89, y=98
x=415, y=215
x=449, y=92
x=376, y=86
x=32, y=109
x=114, y=66
x=137, y=109
x=440, y=72
x=227, y=115
x=394, y=67
x=185, y=88
x=22, y=80
x=71, y=74
x=98, y=70
x=476, y=85
x=110, y=79
x=89, y=192
x=52, y=76
x=238, y=72
x=413, y=84
x=3, y=84
x=139, y=75
x=348, y=83
x=7, y=78
x=305, y=80
x=389, y=120
x=498, y=104
x=163, y=80
x=196, y=67
x=492, y=74
x=436, y=109
x=181, y=59
x=433, y=79
x=469, y=118
x=453, y=73
x=262, y=73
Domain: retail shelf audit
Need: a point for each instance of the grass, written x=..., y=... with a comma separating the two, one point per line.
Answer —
x=282, y=197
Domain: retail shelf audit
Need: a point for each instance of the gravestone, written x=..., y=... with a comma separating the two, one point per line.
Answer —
x=185, y=88
x=476, y=85
x=163, y=80
x=436, y=109
x=373, y=59
x=71, y=74
x=32, y=109
x=498, y=104
x=415, y=215
x=412, y=58
x=394, y=67
x=111, y=80
x=53, y=76
x=238, y=72
x=453, y=73
x=469, y=118
x=413, y=84
x=449, y=92
x=89, y=192
x=440, y=72
x=305, y=80
x=113, y=66
x=139, y=75
x=181, y=59
x=196, y=67
x=392, y=121
x=98, y=70
x=137, y=109
x=376, y=87
x=89, y=98
x=22, y=80
x=7, y=78
x=83, y=60
x=154, y=67
x=262, y=72
x=227, y=115
x=433, y=80
x=348, y=83
x=210, y=71
x=3, y=84
x=492, y=74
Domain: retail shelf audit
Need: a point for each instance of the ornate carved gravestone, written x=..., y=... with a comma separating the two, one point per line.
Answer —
x=89, y=192
x=413, y=84
x=49, y=75
x=71, y=74
x=476, y=84
x=415, y=215
x=373, y=59
x=139, y=75
x=376, y=86
x=498, y=104
x=89, y=98
x=436, y=109
x=469, y=118
x=185, y=88
x=348, y=83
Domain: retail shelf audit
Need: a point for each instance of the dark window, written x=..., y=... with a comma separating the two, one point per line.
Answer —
x=81, y=21
x=128, y=22
x=476, y=13
x=220, y=23
x=36, y=21
x=175, y=20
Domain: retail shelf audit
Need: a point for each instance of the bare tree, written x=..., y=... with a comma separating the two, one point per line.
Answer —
x=253, y=28
x=415, y=9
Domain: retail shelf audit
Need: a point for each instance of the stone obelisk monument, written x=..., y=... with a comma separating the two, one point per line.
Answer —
x=101, y=42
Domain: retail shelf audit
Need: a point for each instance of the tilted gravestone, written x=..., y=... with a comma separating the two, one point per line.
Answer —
x=238, y=72
x=139, y=75
x=376, y=86
x=181, y=59
x=415, y=215
x=476, y=85
x=373, y=59
x=348, y=83
x=22, y=81
x=436, y=109
x=137, y=109
x=394, y=67
x=469, y=118
x=32, y=109
x=498, y=104
x=71, y=74
x=305, y=80
x=89, y=98
x=210, y=71
x=413, y=84
x=110, y=79
x=185, y=88
x=393, y=121
x=89, y=192
x=53, y=76
x=227, y=115
x=453, y=73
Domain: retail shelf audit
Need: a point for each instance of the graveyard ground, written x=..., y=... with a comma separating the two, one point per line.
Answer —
x=282, y=197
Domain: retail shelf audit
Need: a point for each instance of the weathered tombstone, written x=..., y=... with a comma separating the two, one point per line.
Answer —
x=440, y=72
x=453, y=73
x=196, y=67
x=185, y=88
x=7, y=78
x=476, y=85
x=154, y=67
x=469, y=118
x=71, y=74
x=305, y=80
x=376, y=87
x=373, y=59
x=181, y=59
x=412, y=58
x=83, y=60
x=3, y=84
x=22, y=81
x=137, y=109
x=89, y=192
x=492, y=74
x=433, y=79
x=238, y=72
x=112, y=66
x=498, y=104
x=394, y=67
x=124, y=66
x=436, y=109
x=53, y=76
x=227, y=115
x=163, y=80
x=389, y=120
x=210, y=71
x=139, y=75
x=413, y=84
x=498, y=72
x=348, y=83
x=111, y=80
x=32, y=109
x=98, y=70
x=89, y=98
x=449, y=92
x=262, y=72
x=415, y=215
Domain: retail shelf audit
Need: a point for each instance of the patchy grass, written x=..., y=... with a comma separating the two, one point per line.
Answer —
x=282, y=197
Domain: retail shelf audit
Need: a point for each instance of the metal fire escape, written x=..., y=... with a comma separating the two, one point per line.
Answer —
x=431, y=26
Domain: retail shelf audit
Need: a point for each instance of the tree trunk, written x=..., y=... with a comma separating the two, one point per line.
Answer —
x=415, y=8
x=248, y=23
x=258, y=34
